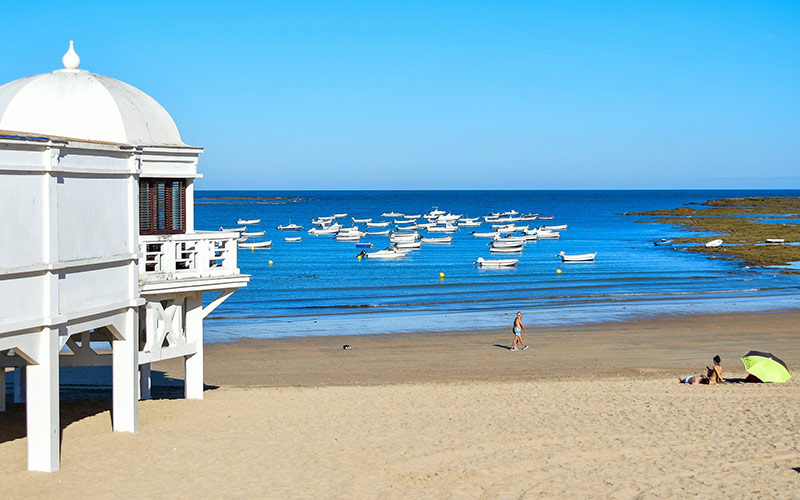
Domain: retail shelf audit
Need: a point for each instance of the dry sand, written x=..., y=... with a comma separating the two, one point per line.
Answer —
x=589, y=412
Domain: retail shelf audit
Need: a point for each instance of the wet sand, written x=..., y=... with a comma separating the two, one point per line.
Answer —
x=587, y=412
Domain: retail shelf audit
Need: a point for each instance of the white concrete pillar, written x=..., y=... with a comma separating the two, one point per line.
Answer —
x=193, y=388
x=2, y=388
x=42, y=405
x=19, y=384
x=125, y=374
x=144, y=381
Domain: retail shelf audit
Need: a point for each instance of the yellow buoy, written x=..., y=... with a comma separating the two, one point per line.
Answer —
x=441, y=276
x=252, y=249
x=270, y=263
x=359, y=257
x=558, y=271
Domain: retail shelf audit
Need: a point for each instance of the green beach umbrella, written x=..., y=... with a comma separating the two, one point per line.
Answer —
x=765, y=366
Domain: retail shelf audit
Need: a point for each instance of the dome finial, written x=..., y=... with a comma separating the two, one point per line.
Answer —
x=71, y=60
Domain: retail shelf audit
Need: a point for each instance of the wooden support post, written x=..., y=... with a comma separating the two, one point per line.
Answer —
x=2, y=388
x=42, y=405
x=125, y=372
x=19, y=384
x=193, y=388
x=144, y=381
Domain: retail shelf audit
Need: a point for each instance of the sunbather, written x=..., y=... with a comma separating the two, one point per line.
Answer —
x=715, y=372
x=694, y=380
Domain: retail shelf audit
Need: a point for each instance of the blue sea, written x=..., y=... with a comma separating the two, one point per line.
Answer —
x=318, y=286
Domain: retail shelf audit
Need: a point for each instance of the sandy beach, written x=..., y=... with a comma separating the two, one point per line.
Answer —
x=587, y=412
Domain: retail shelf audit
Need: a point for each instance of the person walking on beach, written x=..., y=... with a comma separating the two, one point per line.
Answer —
x=518, y=327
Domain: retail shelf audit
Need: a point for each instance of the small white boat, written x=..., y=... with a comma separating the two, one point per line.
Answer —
x=253, y=234
x=547, y=234
x=256, y=244
x=322, y=221
x=449, y=228
x=412, y=227
x=327, y=230
x=485, y=235
x=413, y=217
x=508, y=242
x=395, y=238
x=562, y=227
x=407, y=245
x=776, y=241
x=292, y=238
x=529, y=217
x=582, y=257
x=713, y=243
x=290, y=227
x=391, y=214
x=496, y=262
x=361, y=221
x=469, y=224
x=234, y=229
x=386, y=253
x=336, y=216
x=378, y=224
x=248, y=222
x=515, y=249
x=442, y=240
x=379, y=233
x=348, y=236
x=511, y=229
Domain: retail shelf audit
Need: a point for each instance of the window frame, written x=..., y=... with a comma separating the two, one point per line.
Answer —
x=150, y=184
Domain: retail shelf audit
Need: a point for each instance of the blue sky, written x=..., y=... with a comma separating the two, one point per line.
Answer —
x=450, y=95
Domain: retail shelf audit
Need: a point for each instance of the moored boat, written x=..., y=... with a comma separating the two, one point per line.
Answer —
x=290, y=227
x=662, y=242
x=292, y=239
x=582, y=257
x=378, y=224
x=386, y=253
x=407, y=245
x=485, y=235
x=253, y=234
x=256, y=244
x=776, y=241
x=504, y=249
x=378, y=233
x=496, y=262
x=391, y=214
x=444, y=239
x=714, y=243
x=360, y=221
x=562, y=227
x=247, y=222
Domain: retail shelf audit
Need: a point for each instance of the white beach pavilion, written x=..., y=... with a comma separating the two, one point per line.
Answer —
x=98, y=245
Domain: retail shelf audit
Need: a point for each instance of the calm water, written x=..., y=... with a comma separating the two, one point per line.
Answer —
x=630, y=278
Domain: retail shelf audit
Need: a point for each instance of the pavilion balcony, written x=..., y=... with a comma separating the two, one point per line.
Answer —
x=197, y=260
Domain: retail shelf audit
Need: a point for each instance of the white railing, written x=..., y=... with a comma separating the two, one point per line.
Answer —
x=201, y=254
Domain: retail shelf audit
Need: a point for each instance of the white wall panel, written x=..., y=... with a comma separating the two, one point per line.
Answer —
x=93, y=217
x=79, y=290
x=22, y=299
x=21, y=220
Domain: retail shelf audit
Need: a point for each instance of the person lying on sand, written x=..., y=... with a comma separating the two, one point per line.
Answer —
x=715, y=372
x=694, y=380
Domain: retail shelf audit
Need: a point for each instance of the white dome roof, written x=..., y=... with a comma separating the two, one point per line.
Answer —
x=81, y=105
